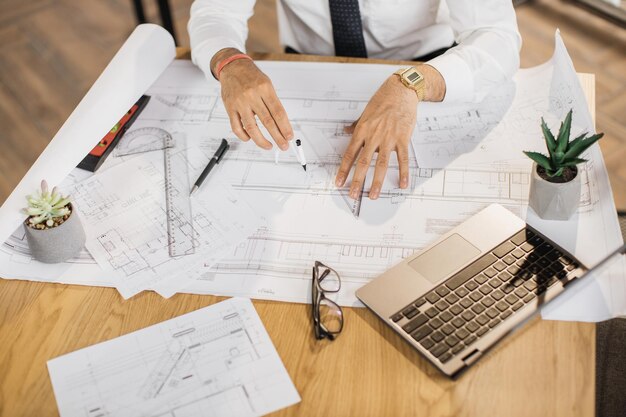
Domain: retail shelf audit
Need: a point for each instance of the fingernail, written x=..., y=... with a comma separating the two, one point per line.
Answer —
x=284, y=147
x=404, y=182
x=339, y=181
x=374, y=192
x=353, y=194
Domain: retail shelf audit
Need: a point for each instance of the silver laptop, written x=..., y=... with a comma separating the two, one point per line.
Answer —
x=458, y=297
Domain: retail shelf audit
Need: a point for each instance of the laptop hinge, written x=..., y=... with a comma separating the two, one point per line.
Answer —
x=472, y=357
x=568, y=281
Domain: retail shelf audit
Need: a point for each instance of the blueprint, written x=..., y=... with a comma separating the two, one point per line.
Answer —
x=128, y=230
x=464, y=157
x=216, y=361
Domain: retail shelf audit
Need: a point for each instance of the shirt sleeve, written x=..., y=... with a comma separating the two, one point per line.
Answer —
x=215, y=25
x=487, y=53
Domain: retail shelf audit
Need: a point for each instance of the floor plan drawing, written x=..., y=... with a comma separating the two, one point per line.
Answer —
x=131, y=224
x=216, y=361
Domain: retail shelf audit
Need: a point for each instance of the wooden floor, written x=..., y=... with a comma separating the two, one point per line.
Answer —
x=52, y=50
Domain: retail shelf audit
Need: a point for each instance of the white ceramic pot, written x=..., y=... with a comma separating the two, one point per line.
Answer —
x=554, y=201
x=59, y=243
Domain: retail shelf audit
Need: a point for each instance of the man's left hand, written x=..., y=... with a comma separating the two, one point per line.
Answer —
x=385, y=126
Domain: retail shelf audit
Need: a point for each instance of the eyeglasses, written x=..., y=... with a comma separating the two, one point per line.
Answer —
x=327, y=315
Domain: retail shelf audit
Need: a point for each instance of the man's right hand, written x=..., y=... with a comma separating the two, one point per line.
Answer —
x=247, y=93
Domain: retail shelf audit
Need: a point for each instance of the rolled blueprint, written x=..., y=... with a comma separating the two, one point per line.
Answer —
x=135, y=67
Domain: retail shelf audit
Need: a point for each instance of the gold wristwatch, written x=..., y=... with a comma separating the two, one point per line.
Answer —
x=414, y=80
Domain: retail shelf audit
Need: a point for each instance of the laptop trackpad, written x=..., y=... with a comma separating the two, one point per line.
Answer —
x=444, y=258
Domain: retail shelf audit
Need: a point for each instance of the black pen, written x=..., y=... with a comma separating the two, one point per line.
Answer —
x=215, y=160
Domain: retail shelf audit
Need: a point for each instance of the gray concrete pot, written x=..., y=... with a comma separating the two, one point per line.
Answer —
x=554, y=201
x=58, y=244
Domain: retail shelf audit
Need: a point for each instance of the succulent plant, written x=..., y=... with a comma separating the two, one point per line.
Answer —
x=45, y=206
x=562, y=153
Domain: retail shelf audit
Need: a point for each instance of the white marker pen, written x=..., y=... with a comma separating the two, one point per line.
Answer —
x=299, y=153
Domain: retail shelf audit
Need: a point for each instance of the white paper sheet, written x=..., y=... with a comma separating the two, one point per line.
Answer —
x=138, y=63
x=448, y=184
x=127, y=228
x=216, y=361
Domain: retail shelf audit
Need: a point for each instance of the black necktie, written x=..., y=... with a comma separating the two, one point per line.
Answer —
x=347, y=28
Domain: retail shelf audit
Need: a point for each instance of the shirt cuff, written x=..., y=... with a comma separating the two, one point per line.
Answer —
x=457, y=76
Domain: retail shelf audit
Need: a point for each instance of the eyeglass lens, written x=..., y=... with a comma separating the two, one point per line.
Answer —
x=330, y=317
x=328, y=280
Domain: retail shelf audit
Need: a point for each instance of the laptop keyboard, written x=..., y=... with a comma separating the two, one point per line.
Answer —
x=484, y=294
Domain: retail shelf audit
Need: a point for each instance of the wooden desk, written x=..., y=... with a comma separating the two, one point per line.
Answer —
x=546, y=369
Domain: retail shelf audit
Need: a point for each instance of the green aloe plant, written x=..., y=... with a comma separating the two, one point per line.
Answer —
x=562, y=153
x=46, y=207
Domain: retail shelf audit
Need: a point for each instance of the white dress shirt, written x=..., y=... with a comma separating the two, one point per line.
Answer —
x=486, y=31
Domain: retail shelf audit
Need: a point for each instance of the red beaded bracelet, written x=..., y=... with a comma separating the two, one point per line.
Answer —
x=227, y=61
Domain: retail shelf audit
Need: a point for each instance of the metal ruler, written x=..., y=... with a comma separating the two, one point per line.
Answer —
x=180, y=231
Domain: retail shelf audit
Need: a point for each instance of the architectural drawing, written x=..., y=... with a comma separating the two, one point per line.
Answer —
x=444, y=133
x=187, y=107
x=464, y=157
x=275, y=262
x=129, y=229
x=217, y=361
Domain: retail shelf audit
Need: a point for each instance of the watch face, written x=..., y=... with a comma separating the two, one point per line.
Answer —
x=413, y=77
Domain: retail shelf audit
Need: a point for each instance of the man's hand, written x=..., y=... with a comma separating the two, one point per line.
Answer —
x=385, y=126
x=247, y=94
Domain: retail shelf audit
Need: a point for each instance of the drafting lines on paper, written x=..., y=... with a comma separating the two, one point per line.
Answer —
x=143, y=244
x=132, y=223
x=287, y=252
x=202, y=108
x=503, y=183
x=220, y=346
x=505, y=186
x=313, y=110
x=180, y=107
x=444, y=132
x=290, y=257
x=248, y=167
x=220, y=364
